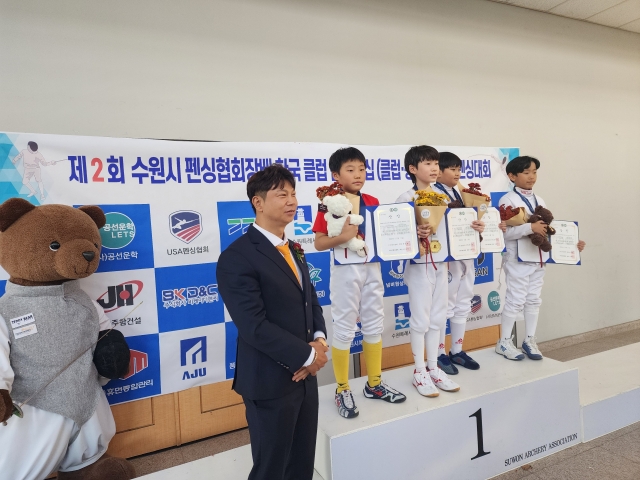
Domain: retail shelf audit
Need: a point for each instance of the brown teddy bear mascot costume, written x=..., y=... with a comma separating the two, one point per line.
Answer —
x=56, y=348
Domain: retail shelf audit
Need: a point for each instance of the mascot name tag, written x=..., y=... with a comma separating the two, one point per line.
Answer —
x=23, y=326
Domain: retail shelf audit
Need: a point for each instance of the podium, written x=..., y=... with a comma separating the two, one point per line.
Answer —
x=506, y=414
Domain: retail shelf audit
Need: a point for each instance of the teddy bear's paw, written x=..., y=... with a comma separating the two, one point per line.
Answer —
x=362, y=252
x=356, y=219
x=545, y=247
x=6, y=406
x=537, y=239
x=106, y=468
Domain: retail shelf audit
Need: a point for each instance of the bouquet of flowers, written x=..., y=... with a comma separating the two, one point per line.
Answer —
x=513, y=216
x=473, y=197
x=430, y=209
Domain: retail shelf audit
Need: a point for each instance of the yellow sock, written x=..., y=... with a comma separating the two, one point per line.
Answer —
x=341, y=367
x=373, y=357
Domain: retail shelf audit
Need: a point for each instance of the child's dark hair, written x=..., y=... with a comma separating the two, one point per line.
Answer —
x=520, y=164
x=342, y=156
x=449, y=160
x=33, y=146
x=272, y=177
x=418, y=154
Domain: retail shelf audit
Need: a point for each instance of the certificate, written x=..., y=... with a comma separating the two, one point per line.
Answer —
x=564, y=244
x=529, y=253
x=395, y=231
x=492, y=236
x=390, y=233
x=464, y=241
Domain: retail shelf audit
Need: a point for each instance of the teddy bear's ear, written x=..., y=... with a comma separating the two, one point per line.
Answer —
x=12, y=210
x=96, y=214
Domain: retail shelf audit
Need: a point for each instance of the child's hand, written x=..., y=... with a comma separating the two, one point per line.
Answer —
x=478, y=226
x=539, y=227
x=424, y=231
x=348, y=231
x=581, y=245
x=503, y=226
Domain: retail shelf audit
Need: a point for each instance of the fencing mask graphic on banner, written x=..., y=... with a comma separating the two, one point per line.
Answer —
x=172, y=207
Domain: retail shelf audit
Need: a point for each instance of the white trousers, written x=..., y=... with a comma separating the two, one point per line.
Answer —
x=524, y=286
x=43, y=442
x=427, y=296
x=462, y=276
x=356, y=291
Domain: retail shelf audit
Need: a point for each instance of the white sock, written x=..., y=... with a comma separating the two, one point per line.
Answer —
x=441, y=349
x=458, y=326
x=506, y=327
x=530, y=322
x=433, y=340
x=417, y=348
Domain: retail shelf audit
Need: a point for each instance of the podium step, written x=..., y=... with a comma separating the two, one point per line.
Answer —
x=609, y=390
x=505, y=415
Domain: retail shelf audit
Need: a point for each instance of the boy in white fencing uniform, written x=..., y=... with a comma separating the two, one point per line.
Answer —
x=427, y=285
x=462, y=277
x=524, y=279
x=356, y=291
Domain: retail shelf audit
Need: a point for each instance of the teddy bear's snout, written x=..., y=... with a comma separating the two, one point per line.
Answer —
x=88, y=256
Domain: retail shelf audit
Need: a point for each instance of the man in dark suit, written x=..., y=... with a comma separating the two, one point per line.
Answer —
x=264, y=282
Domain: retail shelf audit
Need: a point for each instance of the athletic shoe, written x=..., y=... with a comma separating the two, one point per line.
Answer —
x=346, y=405
x=463, y=360
x=443, y=382
x=507, y=349
x=530, y=348
x=444, y=364
x=383, y=392
x=424, y=384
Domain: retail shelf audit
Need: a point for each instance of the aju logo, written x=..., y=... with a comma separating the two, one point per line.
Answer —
x=118, y=232
x=302, y=224
x=192, y=352
x=493, y=300
x=314, y=274
x=402, y=313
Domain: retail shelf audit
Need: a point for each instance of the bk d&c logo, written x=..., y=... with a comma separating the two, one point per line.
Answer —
x=185, y=225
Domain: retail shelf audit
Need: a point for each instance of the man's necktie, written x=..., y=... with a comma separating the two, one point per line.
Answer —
x=286, y=252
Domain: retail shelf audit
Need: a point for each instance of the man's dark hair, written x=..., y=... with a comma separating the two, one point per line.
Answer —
x=33, y=146
x=449, y=160
x=520, y=164
x=418, y=154
x=272, y=177
x=342, y=156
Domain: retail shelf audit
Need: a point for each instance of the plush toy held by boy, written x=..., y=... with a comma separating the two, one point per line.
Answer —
x=356, y=291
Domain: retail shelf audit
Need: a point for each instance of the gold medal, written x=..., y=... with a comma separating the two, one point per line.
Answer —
x=435, y=246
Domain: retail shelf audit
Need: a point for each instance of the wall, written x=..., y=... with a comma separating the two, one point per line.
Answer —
x=460, y=72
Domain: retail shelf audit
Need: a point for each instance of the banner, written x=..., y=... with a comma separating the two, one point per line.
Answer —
x=172, y=207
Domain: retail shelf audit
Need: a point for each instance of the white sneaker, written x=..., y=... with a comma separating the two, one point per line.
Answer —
x=530, y=349
x=507, y=349
x=443, y=382
x=424, y=384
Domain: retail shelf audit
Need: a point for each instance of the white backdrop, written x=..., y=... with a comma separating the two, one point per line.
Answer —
x=173, y=206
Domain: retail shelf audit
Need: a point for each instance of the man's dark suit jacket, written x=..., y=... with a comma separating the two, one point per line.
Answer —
x=276, y=318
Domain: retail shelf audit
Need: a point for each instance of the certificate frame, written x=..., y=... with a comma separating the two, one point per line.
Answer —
x=559, y=224
x=484, y=248
x=343, y=256
x=529, y=253
x=457, y=256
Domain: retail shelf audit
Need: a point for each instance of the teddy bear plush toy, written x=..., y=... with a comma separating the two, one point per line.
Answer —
x=546, y=216
x=337, y=208
x=56, y=348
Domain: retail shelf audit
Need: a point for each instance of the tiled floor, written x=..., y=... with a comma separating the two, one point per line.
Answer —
x=613, y=457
